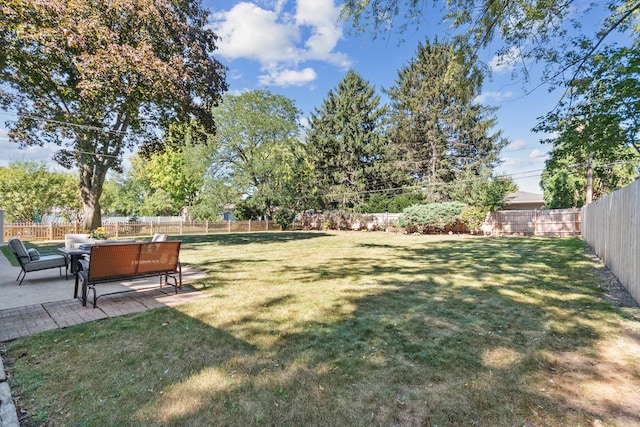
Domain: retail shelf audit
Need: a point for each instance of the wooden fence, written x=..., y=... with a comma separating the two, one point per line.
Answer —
x=612, y=229
x=553, y=222
x=51, y=231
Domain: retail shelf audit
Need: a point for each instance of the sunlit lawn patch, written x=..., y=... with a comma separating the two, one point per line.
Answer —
x=345, y=329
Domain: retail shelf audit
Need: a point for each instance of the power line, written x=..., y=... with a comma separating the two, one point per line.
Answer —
x=444, y=185
x=64, y=123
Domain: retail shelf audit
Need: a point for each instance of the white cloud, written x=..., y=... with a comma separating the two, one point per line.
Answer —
x=288, y=77
x=248, y=31
x=518, y=144
x=281, y=41
x=505, y=62
x=485, y=97
x=326, y=31
x=538, y=154
x=535, y=160
x=516, y=162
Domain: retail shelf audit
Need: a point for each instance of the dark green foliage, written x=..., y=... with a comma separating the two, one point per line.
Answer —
x=284, y=218
x=379, y=203
x=599, y=118
x=432, y=216
x=437, y=131
x=346, y=146
x=246, y=210
x=564, y=179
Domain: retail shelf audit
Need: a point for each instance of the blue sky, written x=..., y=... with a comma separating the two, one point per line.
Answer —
x=301, y=50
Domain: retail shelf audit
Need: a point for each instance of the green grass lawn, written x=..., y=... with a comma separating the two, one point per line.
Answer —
x=347, y=329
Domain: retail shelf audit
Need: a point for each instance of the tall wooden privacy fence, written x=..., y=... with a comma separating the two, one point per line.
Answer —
x=612, y=229
x=553, y=222
x=51, y=231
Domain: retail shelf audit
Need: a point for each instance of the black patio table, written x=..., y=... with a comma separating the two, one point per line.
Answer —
x=74, y=255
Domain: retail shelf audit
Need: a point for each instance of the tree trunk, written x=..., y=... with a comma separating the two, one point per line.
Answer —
x=92, y=216
x=91, y=182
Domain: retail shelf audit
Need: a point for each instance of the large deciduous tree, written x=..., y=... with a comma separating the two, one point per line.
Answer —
x=595, y=130
x=346, y=145
x=564, y=178
x=601, y=114
x=99, y=77
x=257, y=136
x=438, y=130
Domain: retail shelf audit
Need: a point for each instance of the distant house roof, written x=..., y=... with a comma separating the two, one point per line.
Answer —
x=523, y=200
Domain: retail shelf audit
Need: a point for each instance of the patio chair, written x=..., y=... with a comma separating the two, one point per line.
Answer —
x=157, y=237
x=31, y=260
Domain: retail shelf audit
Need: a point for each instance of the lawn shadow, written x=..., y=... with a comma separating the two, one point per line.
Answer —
x=445, y=342
x=234, y=239
x=113, y=370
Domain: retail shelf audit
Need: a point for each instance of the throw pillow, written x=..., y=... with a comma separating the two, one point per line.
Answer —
x=34, y=255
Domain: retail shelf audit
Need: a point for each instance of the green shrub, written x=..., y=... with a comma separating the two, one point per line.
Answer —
x=473, y=217
x=284, y=218
x=430, y=217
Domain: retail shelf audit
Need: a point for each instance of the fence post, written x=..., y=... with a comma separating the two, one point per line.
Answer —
x=181, y=222
x=206, y=226
x=51, y=231
x=249, y=226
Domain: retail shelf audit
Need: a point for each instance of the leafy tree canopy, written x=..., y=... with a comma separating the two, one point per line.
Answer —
x=257, y=145
x=564, y=179
x=98, y=77
x=27, y=188
x=599, y=120
x=601, y=115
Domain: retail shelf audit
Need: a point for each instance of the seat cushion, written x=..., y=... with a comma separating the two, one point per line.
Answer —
x=46, y=261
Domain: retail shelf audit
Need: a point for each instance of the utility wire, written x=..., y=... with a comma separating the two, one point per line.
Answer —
x=64, y=123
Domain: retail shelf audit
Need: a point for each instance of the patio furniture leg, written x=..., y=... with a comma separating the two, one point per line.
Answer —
x=75, y=289
x=23, y=274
